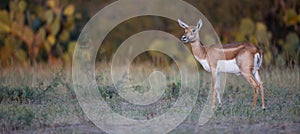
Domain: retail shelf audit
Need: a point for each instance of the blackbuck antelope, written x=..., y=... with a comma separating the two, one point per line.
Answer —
x=235, y=58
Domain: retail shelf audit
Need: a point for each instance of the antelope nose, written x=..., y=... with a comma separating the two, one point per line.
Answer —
x=184, y=39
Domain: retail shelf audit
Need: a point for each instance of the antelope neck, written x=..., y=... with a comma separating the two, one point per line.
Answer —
x=198, y=49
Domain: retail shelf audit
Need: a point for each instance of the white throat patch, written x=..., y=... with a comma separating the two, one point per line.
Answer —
x=204, y=64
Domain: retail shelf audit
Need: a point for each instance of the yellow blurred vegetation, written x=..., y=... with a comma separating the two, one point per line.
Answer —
x=34, y=32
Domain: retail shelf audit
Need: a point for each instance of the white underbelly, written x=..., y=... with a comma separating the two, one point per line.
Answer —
x=224, y=66
x=228, y=66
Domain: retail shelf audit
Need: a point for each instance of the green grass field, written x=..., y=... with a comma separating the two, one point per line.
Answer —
x=44, y=101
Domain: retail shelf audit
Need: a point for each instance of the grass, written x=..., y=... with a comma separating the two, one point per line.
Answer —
x=43, y=100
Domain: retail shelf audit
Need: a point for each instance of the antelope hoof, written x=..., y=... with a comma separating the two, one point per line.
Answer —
x=219, y=107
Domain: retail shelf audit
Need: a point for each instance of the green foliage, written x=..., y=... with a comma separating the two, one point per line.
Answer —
x=20, y=94
x=23, y=107
x=291, y=17
x=26, y=94
x=49, y=15
x=247, y=26
x=16, y=117
x=4, y=22
x=291, y=48
x=281, y=95
x=259, y=34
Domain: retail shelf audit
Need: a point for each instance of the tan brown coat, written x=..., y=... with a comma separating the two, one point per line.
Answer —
x=239, y=58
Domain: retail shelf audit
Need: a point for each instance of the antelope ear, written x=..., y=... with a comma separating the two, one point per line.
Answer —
x=199, y=24
x=182, y=24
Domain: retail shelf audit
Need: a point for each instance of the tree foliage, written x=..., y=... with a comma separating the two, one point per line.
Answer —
x=37, y=31
x=45, y=31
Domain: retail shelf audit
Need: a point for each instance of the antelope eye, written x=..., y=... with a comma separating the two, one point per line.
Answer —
x=193, y=30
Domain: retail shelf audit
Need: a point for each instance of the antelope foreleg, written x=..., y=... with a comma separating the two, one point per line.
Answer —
x=214, y=80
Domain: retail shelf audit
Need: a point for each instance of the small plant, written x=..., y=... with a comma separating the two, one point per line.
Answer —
x=19, y=94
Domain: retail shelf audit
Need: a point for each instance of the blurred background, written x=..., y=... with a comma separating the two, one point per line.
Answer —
x=34, y=32
x=37, y=40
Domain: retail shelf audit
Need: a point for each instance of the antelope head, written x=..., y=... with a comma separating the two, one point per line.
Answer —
x=191, y=33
